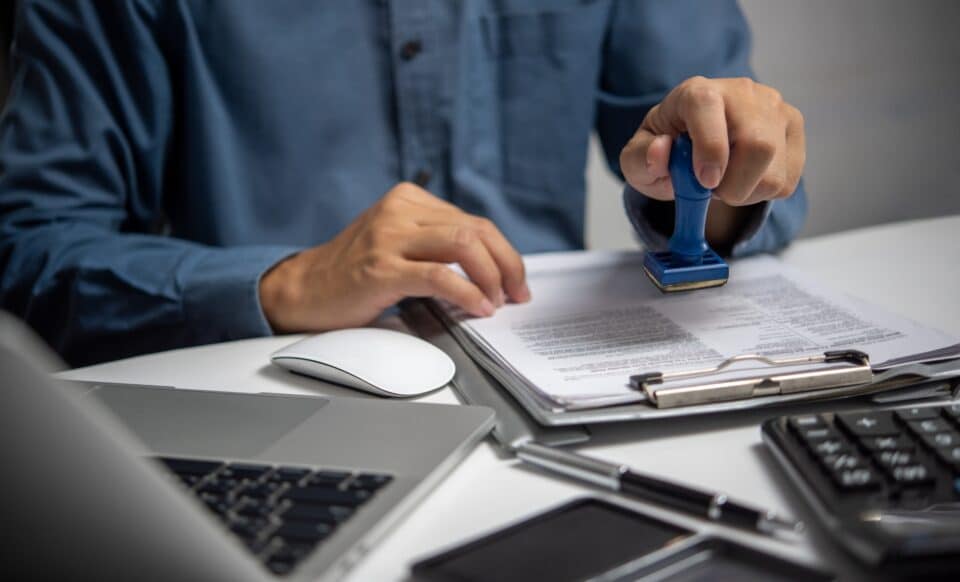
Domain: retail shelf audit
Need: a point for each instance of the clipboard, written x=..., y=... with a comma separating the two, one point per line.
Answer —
x=832, y=369
x=932, y=379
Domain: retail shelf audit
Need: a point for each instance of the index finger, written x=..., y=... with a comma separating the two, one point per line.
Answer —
x=507, y=258
x=504, y=255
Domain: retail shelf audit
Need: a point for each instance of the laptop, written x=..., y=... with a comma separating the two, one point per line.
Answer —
x=109, y=481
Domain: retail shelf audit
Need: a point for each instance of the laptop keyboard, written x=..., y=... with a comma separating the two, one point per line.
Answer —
x=280, y=513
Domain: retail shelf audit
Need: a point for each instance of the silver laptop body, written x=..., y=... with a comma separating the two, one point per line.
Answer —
x=80, y=499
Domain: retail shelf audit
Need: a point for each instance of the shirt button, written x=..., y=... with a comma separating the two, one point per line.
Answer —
x=410, y=49
x=422, y=178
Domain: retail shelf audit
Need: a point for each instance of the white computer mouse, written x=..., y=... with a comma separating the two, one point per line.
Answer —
x=381, y=361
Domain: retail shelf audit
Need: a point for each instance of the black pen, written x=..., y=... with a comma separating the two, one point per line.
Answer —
x=711, y=506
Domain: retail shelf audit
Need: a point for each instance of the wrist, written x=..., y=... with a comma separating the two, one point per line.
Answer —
x=280, y=294
x=726, y=223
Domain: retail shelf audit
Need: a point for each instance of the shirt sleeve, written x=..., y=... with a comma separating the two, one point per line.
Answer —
x=651, y=47
x=83, y=142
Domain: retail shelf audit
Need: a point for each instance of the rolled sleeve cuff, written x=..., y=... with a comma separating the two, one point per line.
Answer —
x=652, y=222
x=221, y=292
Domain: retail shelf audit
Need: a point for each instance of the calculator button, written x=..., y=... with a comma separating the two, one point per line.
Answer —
x=918, y=413
x=929, y=426
x=854, y=479
x=941, y=439
x=868, y=423
x=803, y=422
x=952, y=411
x=841, y=462
x=888, y=443
x=812, y=435
x=892, y=459
x=829, y=447
x=911, y=475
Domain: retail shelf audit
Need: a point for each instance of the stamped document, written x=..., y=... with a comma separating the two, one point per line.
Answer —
x=595, y=320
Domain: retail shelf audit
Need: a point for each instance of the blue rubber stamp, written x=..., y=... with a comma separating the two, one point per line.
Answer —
x=689, y=263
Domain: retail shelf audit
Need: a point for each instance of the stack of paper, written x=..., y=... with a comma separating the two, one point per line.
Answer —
x=595, y=320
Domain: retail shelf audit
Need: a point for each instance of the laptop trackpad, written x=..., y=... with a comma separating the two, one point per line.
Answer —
x=217, y=424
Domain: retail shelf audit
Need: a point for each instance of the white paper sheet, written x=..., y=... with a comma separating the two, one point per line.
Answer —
x=595, y=320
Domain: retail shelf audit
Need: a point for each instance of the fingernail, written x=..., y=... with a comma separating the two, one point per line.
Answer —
x=710, y=175
x=486, y=308
x=524, y=294
x=501, y=298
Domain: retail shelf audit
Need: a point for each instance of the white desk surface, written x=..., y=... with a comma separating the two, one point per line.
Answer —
x=909, y=267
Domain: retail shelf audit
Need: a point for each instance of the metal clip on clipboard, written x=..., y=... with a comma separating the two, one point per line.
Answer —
x=841, y=368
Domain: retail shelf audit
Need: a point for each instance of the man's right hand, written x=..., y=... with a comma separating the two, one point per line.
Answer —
x=397, y=248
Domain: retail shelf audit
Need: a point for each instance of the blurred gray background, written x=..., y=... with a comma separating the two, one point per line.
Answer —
x=879, y=84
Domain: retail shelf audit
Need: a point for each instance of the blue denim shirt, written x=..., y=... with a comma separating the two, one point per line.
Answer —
x=157, y=157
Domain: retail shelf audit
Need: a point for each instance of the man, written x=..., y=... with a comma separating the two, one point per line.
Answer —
x=176, y=173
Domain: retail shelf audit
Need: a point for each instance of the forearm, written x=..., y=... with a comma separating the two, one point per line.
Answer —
x=96, y=295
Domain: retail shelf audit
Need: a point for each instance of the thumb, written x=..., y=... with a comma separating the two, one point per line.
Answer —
x=643, y=162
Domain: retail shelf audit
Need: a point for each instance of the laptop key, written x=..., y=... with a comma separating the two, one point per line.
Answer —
x=189, y=466
x=369, y=481
x=333, y=478
x=255, y=507
x=317, y=513
x=260, y=491
x=303, y=532
x=245, y=471
x=217, y=505
x=289, y=474
x=222, y=487
x=248, y=531
x=327, y=496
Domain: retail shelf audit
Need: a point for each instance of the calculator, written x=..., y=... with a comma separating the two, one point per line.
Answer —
x=884, y=482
